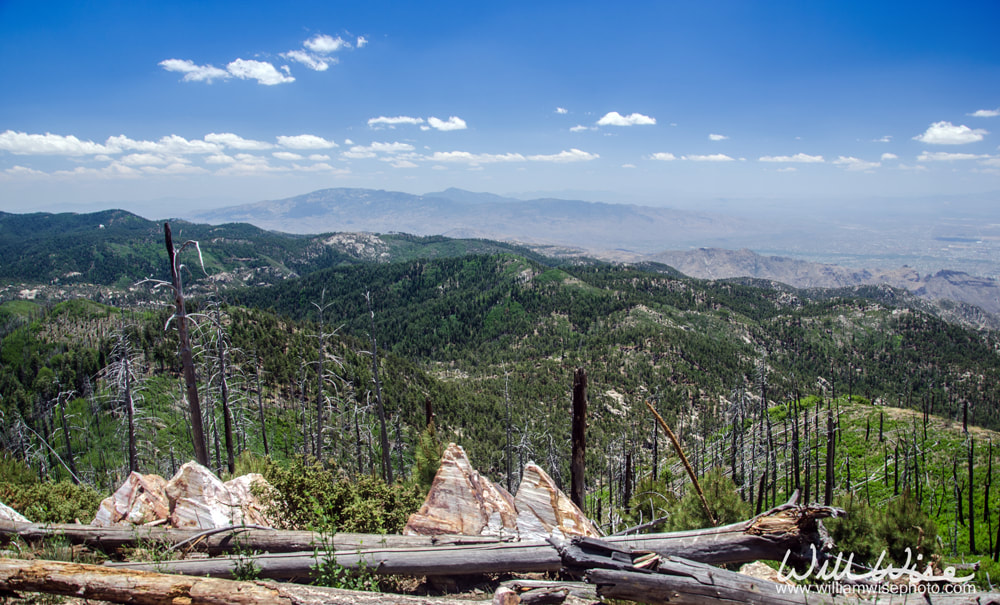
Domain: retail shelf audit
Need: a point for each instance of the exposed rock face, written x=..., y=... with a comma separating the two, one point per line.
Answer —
x=198, y=499
x=139, y=500
x=194, y=498
x=543, y=509
x=461, y=501
x=9, y=514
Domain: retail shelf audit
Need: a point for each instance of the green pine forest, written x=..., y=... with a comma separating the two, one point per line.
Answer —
x=858, y=398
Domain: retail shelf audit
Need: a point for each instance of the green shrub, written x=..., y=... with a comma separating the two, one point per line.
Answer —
x=723, y=498
x=48, y=502
x=307, y=496
x=14, y=471
x=905, y=525
x=857, y=533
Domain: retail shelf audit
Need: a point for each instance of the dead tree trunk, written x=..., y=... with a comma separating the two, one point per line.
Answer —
x=187, y=359
x=577, y=468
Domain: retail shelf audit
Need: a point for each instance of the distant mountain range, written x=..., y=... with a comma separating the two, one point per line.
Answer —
x=591, y=226
x=700, y=244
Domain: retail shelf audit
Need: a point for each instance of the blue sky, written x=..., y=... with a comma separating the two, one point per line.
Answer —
x=666, y=103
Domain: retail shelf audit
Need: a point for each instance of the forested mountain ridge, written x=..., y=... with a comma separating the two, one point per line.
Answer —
x=488, y=344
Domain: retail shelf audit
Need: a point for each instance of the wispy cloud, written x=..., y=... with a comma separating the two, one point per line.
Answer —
x=613, y=118
x=305, y=141
x=580, y=128
x=943, y=156
x=717, y=137
x=946, y=133
x=856, y=164
x=382, y=121
x=243, y=69
x=573, y=155
x=663, y=156
x=889, y=156
x=715, y=157
x=798, y=158
x=194, y=73
x=452, y=123
x=234, y=141
x=986, y=113
x=562, y=110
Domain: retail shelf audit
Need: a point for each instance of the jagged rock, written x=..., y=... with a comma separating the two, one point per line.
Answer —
x=543, y=509
x=461, y=501
x=198, y=499
x=139, y=500
x=9, y=514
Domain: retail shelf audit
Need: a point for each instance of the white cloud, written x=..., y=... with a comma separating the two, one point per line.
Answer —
x=799, y=158
x=663, y=156
x=319, y=157
x=313, y=62
x=22, y=143
x=22, y=171
x=788, y=169
x=174, y=168
x=986, y=113
x=579, y=128
x=717, y=137
x=361, y=42
x=889, y=156
x=715, y=157
x=324, y=45
x=170, y=144
x=942, y=156
x=946, y=133
x=394, y=147
x=234, y=141
x=562, y=110
x=886, y=139
x=194, y=73
x=453, y=123
x=360, y=152
x=573, y=155
x=393, y=122
x=628, y=165
x=262, y=71
x=613, y=118
x=991, y=161
x=475, y=158
x=398, y=163
x=144, y=159
x=855, y=164
x=220, y=158
x=305, y=141
x=288, y=156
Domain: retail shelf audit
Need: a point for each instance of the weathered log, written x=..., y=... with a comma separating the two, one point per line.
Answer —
x=658, y=580
x=148, y=588
x=109, y=539
x=787, y=528
x=474, y=559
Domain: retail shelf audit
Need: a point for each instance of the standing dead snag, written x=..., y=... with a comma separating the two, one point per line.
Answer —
x=684, y=460
x=577, y=468
x=187, y=360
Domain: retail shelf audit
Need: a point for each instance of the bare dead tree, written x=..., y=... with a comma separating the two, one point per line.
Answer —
x=577, y=468
x=380, y=407
x=187, y=358
x=123, y=377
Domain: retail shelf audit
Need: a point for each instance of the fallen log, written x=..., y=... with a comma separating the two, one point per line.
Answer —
x=148, y=588
x=218, y=541
x=787, y=528
x=660, y=580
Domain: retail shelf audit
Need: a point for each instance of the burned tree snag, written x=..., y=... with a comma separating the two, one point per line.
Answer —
x=577, y=468
x=187, y=359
